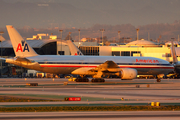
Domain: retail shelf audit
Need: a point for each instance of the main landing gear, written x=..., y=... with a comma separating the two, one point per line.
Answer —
x=97, y=80
x=158, y=80
x=82, y=79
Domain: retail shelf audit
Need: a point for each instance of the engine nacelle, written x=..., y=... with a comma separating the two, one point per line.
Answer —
x=128, y=74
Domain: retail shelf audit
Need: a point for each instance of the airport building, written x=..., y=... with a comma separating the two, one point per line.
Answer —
x=143, y=48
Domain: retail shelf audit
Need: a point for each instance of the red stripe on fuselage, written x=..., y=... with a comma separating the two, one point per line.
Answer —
x=97, y=65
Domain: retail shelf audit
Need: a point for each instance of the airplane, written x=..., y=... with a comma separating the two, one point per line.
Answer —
x=126, y=67
x=73, y=49
x=175, y=61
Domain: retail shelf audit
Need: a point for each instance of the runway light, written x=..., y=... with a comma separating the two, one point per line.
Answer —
x=157, y=104
x=152, y=103
x=74, y=99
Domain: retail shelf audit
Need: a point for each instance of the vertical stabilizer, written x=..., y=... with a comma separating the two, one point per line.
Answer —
x=73, y=48
x=173, y=52
x=20, y=46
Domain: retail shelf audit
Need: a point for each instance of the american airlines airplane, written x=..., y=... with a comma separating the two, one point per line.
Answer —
x=175, y=62
x=125, y=67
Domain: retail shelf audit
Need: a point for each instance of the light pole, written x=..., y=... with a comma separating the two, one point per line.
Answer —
x=178, y=38
x=137, y=34
x=148, y=36
x=69, y=35
x=79, y=34
x=172, y=43
x=61, y=40
x=1, y=32
x=119, y=36
x=102, y=30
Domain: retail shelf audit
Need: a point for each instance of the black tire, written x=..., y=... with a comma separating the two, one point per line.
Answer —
x=158, y=80
x=77, y=80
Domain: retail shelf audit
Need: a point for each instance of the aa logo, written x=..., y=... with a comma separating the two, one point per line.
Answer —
x=22, y=47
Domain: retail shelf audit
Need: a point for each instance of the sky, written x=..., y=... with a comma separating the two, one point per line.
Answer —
x=86, y=13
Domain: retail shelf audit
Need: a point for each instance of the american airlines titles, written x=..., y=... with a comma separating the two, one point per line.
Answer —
x=146, y=61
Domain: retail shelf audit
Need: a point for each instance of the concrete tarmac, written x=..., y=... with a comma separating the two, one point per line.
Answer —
x=112, y=92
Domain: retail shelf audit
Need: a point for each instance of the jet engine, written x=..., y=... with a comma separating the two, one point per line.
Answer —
x=128, y=74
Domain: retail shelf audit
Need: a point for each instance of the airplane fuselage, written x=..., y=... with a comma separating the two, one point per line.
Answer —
x=67, y=64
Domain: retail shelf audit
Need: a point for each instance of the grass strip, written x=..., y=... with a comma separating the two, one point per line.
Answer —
x=4, y=98
x=90, y=108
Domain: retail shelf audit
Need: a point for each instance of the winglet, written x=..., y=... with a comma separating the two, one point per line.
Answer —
x=73, y=49
x=20, y=46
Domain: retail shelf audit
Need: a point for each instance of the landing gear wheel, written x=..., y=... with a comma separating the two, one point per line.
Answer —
x=158, y=80
x=82, y=79
x=97, y=80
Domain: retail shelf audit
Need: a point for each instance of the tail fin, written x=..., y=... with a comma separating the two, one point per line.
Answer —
x=20, y=46
x=173, y=52
x=73, y=49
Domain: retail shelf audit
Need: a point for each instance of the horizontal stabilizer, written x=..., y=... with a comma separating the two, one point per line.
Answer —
x=2, y=59
x=23, y=60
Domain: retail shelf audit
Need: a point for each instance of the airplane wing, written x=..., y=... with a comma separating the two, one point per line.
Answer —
x=107, y=68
